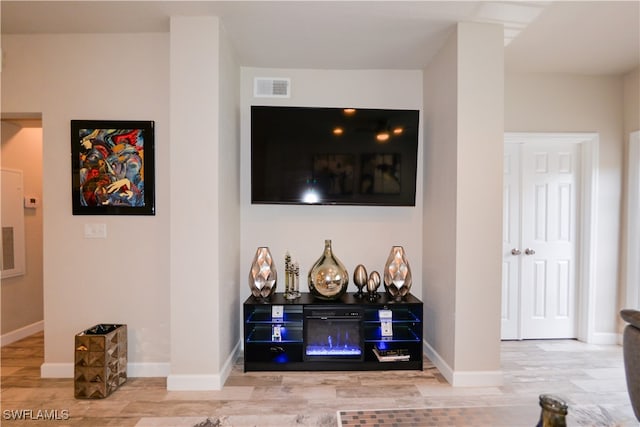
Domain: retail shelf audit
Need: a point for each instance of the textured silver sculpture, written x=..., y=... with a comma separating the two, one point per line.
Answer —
x=397, y=273
x=263, y=275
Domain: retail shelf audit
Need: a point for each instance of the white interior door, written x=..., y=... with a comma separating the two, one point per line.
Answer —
x=540, y=250
x=511, y=243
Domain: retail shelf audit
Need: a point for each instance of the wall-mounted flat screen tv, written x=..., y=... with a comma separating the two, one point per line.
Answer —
x=333, y=156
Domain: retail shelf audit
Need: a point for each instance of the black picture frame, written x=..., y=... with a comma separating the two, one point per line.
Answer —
x=113, y=167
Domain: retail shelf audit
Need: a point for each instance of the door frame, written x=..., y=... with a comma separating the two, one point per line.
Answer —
x=633, y=224
x=588, y=220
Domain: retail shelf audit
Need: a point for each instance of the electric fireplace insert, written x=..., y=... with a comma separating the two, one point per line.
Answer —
x=333, y=333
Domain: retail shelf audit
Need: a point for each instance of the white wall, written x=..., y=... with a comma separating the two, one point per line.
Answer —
x=462, y=205
x=360, y=235
x=195, y=260
x=479, y=200
x=574, y=103
x=123, y=278
x=205, y=207
x=230, y=279
x=22, y=304
x=440, y=183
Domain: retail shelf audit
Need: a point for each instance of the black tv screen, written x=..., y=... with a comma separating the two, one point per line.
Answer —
x=333, y=156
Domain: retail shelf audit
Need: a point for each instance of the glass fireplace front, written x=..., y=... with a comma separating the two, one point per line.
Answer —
x=333, y=333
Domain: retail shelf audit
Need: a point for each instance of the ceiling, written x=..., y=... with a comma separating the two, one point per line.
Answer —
x=584, y=37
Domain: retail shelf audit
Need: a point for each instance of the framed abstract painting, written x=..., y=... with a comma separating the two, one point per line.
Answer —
x=112, y=167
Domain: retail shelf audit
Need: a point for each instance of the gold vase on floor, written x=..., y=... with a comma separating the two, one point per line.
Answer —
x=328, y=278
x=263, y=275
x=553, y=412
x=397, y=273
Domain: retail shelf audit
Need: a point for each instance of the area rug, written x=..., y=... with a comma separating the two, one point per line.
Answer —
x=471, y=416
x=427, y=417
x=495, y=416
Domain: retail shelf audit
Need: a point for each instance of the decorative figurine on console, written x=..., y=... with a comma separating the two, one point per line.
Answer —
x=287, y=276
x=296, y=279
x=372, y=286
x=360, y=279
x=291, y=278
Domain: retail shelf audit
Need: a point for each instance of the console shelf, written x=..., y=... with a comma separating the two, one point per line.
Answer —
x=275, y=335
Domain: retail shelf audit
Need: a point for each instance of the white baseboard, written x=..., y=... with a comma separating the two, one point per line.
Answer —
x=18, y=334
x=195, y=382
x=604, y=338
x=439, y=362
x=463, y=378
x=478, y=379
x=134, y=370
x=228, y=364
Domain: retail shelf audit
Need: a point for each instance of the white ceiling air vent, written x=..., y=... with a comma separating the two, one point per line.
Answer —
x=272, y=87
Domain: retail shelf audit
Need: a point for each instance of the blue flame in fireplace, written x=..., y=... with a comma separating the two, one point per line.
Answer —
x=333, y=338
x=334, y=347
x=313, y=350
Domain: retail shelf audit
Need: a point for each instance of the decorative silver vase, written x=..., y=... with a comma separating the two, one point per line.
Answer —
x=263, y=275
x=328, y=278
x=397, y=273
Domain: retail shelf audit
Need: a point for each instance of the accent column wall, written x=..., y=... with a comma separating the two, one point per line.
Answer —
x=464, y=127
x=479, y=203
x=194, y=229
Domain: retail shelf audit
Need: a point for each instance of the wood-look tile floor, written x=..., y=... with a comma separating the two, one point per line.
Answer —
x=589, y=377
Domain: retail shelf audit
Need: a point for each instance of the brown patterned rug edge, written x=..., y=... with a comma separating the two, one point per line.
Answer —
x=507, y=416
x=511, y=416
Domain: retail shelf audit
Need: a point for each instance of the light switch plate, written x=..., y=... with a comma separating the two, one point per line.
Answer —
x=31, y=202
x=95, y=231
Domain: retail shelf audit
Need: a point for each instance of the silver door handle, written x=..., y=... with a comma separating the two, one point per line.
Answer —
x=529, y=251
x=515, y=251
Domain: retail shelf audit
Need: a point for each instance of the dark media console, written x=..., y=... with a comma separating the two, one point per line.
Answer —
x=348, y=334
